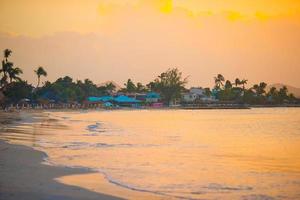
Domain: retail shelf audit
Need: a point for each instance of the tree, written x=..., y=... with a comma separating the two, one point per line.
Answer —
x=110, y=87
x=140, y=87
x=219, y=79
x=7, y=53
x=153, y=86
x=292, y=97
x=130, y=86
x=244, y=82
x=170, y=85
x=259, y=96
x=40, y=71
x=283, y=94
x=8, y=70
x=207, y=92
x=273, y=95
x=13, y=74
x=6, y=66
x=237, y=82
x=17, y=91
x=260, y=89
x=228, y=85
x=272, y=92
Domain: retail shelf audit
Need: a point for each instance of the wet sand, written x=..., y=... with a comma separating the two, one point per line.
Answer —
x=23, y=176
x=26, y=174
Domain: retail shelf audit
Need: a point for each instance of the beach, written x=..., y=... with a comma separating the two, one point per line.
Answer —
x=182, y=154
x=23, y=176
x=25, y=173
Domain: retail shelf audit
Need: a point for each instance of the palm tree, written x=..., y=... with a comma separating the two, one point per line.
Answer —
x=7, y=53
x=272, y=92
x=228, y=84
x=237, y=82
x=40, y=72
x=6, y=66
x=256, y=88
x=283, y=92
x=13, y=74
x=110, y=87
x=260, y=89
x=243, y=82
x=130, y=86
x=219, y=80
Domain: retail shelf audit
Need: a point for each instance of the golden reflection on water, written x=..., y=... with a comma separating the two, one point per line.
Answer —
x=240, y=154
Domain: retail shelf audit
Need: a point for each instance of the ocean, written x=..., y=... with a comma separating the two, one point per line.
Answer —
x=175, y=154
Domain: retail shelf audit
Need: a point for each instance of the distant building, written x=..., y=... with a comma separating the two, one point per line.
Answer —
x=101, y=99
x=200, y=92
x=152, y=97
x=131, y=100
x=189, y=97
x=195, y=94
x=126, y=101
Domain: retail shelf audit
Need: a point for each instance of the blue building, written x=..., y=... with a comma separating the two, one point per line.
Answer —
x=123, y=100
x=152, y=97
x=100, y=99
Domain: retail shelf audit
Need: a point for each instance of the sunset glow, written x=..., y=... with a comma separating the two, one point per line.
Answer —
x=150, y=99
x=251, y=38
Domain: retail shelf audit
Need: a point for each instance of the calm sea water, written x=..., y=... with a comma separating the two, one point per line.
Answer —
x=200, y=154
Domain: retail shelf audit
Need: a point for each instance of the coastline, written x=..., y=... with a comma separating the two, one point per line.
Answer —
x=184, y=107
x=24, y=176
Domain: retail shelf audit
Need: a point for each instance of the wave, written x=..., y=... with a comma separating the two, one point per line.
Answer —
x=83, y=145
x=216, y=186
x=94, y=127
x=138, y=189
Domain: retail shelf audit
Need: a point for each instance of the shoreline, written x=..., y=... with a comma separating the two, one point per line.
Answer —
x=183, y=107
x=26, y=174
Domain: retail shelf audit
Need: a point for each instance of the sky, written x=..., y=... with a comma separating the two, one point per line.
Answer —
x=138, y=39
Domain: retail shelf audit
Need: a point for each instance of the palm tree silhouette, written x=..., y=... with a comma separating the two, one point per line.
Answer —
x=7, y=69
x=13, y=74
x=40, y=72
x=237, y=82
x=219, y=79
x=260, y=89
x=7, y=53
x=244, y=82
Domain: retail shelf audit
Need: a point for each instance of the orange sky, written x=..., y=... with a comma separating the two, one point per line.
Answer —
x=115, y=40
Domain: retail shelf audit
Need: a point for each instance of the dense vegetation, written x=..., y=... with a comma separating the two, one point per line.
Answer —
x=227, y=91
x=170, y=85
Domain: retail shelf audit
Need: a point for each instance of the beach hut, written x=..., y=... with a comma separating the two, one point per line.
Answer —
x=152, y=97
x=108, y=105
x=94, y=99
x=106, y=98
x=100, y=99
x=93, y=102
x=123, y=100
